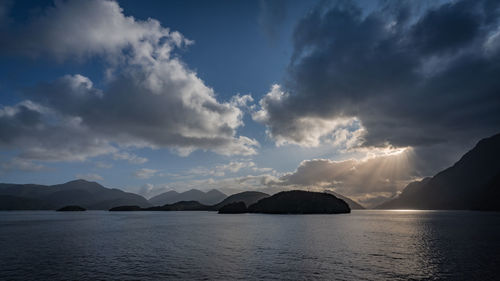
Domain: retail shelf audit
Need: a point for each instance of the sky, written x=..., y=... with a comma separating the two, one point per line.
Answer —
x=360, y=97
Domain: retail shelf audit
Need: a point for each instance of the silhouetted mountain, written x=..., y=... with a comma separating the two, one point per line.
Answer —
x=212, y=197
x=72, y=208
x=233, y=208
x=471, y=183
x=178, y=206
x=247, y=197
x=89, y=195
x=352, y=204
x=208, y=198
x=164, y=198
x=300, y=202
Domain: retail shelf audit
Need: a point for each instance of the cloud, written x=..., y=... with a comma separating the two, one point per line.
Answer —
x=308, y=131
x=89, y=177
x=145, y=173
x=41, y=134
x=403, y=77
x=17, y=164
x=222, y=169
x=130, y=157
x=234, y=166
x=84, y=29
x=150, y=97
x=103, y=165
x=231, y=185
x=382, y=174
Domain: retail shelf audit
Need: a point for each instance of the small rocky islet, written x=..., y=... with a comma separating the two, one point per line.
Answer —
x=71, y=208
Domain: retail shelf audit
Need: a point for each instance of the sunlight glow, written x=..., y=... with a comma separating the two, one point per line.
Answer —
x=386, y=151
x=407, y=210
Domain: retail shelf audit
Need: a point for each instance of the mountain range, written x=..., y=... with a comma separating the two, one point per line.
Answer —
x=93, y=196
x=472, y=183
x=89, y=195
x=210, y=197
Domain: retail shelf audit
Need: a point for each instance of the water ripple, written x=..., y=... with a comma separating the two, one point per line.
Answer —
x=364, y=245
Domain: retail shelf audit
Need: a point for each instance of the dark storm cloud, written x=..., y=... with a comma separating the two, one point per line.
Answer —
x=412, y=78
x=446, y=29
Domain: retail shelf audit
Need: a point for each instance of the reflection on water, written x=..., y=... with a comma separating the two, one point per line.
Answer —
x=363, y=245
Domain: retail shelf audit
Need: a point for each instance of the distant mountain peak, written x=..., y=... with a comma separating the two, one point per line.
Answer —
x=82, y=181
x=77, y=181
x=216, y=191
x=172, y=192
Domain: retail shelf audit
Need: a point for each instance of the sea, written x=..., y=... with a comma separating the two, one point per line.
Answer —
x=189, y=245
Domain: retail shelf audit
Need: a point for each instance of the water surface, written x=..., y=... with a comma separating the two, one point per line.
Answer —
x=363, y=245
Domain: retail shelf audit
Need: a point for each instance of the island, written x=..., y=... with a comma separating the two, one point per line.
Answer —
x=178, y=206
x=181, y=206
x=247, y=197
x=71, y=208
x=125, y=208
x=300, y=202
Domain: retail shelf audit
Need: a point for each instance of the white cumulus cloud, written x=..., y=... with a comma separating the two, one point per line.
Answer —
x=150, y=99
